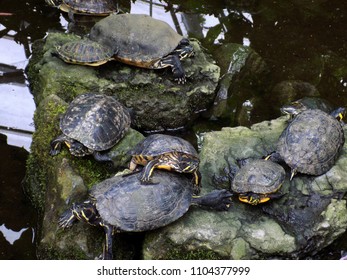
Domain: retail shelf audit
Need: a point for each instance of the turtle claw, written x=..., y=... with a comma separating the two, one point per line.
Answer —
x=181, y=80
x=148, y=182
x=67, y=219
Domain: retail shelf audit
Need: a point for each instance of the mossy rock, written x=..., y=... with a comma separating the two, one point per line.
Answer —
x=157, y=101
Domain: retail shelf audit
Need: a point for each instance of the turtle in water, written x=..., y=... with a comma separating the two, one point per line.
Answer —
x=92, y=123
x=153, y=44
x=306, y=103
x=254, y=180
x=165, y=152
x=85, y=7
x=312, y=142
x=123, y=204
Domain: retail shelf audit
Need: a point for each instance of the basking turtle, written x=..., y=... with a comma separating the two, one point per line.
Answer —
x=306, y=103
x=85, y=7
x=165, y=152
x=84, y=52
x=312, y=142
x=152, y=44
x=254, y=180
x=123, y=204
x=92, y=123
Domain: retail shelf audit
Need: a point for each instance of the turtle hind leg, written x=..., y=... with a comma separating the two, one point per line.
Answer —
x=217, y=200
x=107, y=252
x=173, y=61
x=102, y=157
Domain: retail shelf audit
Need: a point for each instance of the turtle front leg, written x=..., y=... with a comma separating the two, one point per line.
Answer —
x=147, y=171
x=174, y=62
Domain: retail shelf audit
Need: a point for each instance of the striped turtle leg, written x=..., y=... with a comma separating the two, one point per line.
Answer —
x=107, y=253
x=147, y=171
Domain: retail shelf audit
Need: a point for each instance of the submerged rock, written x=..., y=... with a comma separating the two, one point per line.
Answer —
x=311, y=214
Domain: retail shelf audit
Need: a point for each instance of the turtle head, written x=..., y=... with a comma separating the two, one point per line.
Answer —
x=77, y=149
x=253, y=199
x=339, y=113
x=187, y=163
x=184, y=49
x=293, y=108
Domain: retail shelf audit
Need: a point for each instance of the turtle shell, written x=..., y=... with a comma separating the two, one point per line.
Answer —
x=94, y=7
x=157, y=144
x=136, y=39
x=311, y=143
x=97, y=121
x=259, y=177
x=84, y=52
x=131, y=206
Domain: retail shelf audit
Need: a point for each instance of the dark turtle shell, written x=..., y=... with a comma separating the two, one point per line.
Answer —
x=312, y=142
x=91, y=7
x=127, y=204
x=138, y=40
x=157, y=144
x=259, y=177
x=84, y=52
x=97, y=121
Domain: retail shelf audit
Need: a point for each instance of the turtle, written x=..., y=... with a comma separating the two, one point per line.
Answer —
x=85, y=7
x=134, y=39
x=165, y=152
x=254, y=180
x=312, y=142
x=306, y=103
x=123, y=204
x=92, y=123
x=84, y=52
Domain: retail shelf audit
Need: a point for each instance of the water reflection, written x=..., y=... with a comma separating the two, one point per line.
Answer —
x=11, y=235
x=17, y=217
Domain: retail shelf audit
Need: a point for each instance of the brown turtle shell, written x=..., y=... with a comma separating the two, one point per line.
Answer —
x=136, y=39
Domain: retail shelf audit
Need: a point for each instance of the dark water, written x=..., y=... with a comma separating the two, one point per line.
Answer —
x=302, y=40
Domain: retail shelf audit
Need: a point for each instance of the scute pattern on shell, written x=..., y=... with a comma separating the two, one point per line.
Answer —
x=138, y=40
x=131, y=206
x=258, y=176
x=92, y=6
x=311, y=143
x=97, y=121
x=158, y=144
x=83, y=52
